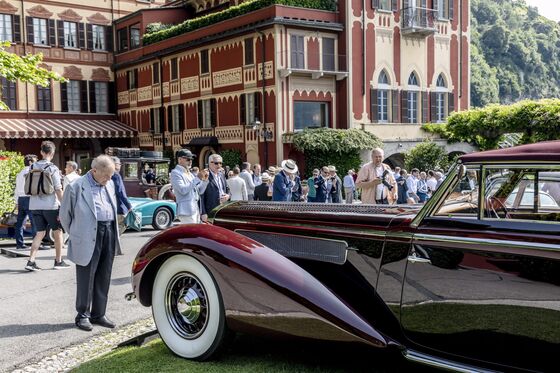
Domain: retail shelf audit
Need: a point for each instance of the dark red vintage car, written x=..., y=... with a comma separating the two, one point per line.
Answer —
x=469, y=282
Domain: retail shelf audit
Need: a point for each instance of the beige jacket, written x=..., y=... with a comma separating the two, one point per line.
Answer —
x=367, y=180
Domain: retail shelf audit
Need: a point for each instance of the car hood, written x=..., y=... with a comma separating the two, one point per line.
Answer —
x=239, y=214
x=135, y=202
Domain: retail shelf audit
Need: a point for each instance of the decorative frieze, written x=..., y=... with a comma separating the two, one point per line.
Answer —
x=100, y=57
x=70, y=15
x=123, y=98
x=73, y=73
x=226, y=78
x=98, y=19
x=100, y=75
x=145, y=93
x=39, y=11
x=189, y=85
x=7, y=8
x=166, y=89
x=71, y=55
x=267, y=71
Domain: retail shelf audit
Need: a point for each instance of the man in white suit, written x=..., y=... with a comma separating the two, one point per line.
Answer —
x=237, y=186
x=89, y=214
x=186, y=188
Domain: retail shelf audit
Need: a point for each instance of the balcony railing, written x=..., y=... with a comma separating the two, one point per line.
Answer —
x=418, y=21
x=316, y=65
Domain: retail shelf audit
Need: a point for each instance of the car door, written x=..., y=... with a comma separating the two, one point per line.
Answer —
x=482, y=280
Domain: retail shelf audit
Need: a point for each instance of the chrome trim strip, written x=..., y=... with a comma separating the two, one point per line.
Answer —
x=487, y=242
x=437, y=362
x=364, y=233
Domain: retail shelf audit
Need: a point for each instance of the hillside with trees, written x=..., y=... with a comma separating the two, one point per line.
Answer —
x=514, y=53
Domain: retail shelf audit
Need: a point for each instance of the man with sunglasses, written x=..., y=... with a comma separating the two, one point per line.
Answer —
x=216, y=191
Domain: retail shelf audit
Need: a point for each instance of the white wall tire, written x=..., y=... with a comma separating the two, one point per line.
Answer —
x=187, y=308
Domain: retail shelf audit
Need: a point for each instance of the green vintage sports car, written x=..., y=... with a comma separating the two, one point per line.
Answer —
x=157, y=213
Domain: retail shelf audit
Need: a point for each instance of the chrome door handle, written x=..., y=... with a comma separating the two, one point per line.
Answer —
x=416, y=259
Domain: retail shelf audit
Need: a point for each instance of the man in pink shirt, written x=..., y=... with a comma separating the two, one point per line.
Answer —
x=376, y=180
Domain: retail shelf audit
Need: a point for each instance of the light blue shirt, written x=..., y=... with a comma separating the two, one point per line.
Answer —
x=349, y=182
x=101, y=200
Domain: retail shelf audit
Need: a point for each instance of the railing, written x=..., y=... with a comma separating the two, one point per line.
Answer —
x=205, y=83
x=174, y=87
x=249, y=74
x=176, y=140
x=418, y=20
x=156, y=91
x=317, y=64
x=158, y=142
x=133, y=97
x=146, y=139
x=229, y=134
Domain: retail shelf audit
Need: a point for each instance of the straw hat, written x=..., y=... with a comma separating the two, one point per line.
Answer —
x=289, y=166
x=332, y=169
x=265, y=177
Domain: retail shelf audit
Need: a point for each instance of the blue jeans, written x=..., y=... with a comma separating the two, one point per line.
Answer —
x=23, y=212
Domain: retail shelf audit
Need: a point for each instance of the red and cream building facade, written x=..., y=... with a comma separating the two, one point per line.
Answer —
x=387, y=68
x=76, y=40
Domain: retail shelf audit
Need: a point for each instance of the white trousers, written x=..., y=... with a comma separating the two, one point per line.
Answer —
x=190, y=219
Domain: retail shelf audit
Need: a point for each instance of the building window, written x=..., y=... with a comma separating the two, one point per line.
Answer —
x=204, y=62
x=98, y=34
x=44, y=98
x=249, y=52
x=134, y=36
x=70, y=35
x=40, y=31
x=73, y=94
x=383, y=98
x=155, y=122
x=132, y=77
x=122, y=38
x=297, y=52
x=310, y=114
x=443, y=9
x=384, y=5
x=174, y=69
x=412, y=98
x=155, y=73
x=207, y=117
x=6, y=27
x=328, y=54
x=101, y=97
x=8, y=93
x=441, y=95
x=176, y=118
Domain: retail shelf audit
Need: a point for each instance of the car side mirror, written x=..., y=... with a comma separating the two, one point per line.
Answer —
x=461, y=171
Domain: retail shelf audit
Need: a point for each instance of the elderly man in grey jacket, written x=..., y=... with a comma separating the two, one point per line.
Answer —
x=186, y=188
x=88, y=213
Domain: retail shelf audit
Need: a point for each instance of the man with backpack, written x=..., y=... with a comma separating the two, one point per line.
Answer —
x=43, y=185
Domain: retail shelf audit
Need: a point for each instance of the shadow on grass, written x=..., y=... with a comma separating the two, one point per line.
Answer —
x=255, y=354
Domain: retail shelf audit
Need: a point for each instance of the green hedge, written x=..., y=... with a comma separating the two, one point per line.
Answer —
x=231, y=12
x=485, y=128
x=426, y=156
x=11, y=163
x=231, y=158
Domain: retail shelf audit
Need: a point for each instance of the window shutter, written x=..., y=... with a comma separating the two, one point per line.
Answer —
x=375, y=4
x=152, y=120
x=394, y=5
x=64, y=96
x=182, y=124
x=450, y=103
x=92, y=102
x=404, y=106
x=170, y=118
x=425, y=107
x=395, y=106
x=83, y=96
x=373, y=105
x=213, y=112
x=200, y=114
x=29, y=25
x=52, y=32
x=89, y=36
x=60, y=29
x=450, y=4
x=16, y=29
x=109, y=38
x=111, y=96
x=81, y=36
x=433, y=107
x=135, y=79
x=242, y=110
x=258, y=99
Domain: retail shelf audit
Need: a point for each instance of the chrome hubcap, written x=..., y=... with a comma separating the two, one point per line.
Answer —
x=186, y=305
x=162, y=218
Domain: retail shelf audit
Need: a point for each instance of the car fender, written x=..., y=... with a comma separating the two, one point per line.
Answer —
x=261, y=289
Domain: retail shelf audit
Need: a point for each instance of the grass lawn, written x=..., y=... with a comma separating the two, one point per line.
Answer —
x=253, y=354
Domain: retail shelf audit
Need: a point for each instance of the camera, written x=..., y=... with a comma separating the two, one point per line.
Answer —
x=385, y=182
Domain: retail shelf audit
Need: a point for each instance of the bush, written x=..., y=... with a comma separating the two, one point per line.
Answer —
x=336, y=147
x=231, y=12
x=11, y=163
x=426, y=156
x=231, y=158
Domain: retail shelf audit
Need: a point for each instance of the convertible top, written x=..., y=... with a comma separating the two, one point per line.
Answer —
x=548, y=151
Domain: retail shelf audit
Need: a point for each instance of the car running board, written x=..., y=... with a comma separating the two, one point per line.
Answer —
x=440, y=363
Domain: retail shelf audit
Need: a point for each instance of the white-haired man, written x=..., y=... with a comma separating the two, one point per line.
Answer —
x=215, y=189
x=376, y=180
x=70, y=173
x=88, y=214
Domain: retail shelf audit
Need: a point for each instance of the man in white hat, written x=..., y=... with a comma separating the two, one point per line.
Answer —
x=284, y=181
x=261, y=190
x=186, y=188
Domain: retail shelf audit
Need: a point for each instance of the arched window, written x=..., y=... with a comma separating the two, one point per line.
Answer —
x=441, y=98
x=412, y=98
x=383, y=98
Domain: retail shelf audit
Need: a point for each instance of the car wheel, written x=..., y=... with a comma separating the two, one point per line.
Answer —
x=163, y=218
x=188, y=309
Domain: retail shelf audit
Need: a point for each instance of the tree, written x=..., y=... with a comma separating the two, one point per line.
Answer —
x=336, y=147
x=426, y=156
x=10, y=164
x=484, y=84
x=25, y=69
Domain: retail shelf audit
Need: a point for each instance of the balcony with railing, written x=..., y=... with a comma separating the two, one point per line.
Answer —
x=418, y=21
x=314, y=65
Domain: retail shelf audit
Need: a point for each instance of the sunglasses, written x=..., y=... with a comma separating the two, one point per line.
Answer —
x=217, y=162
